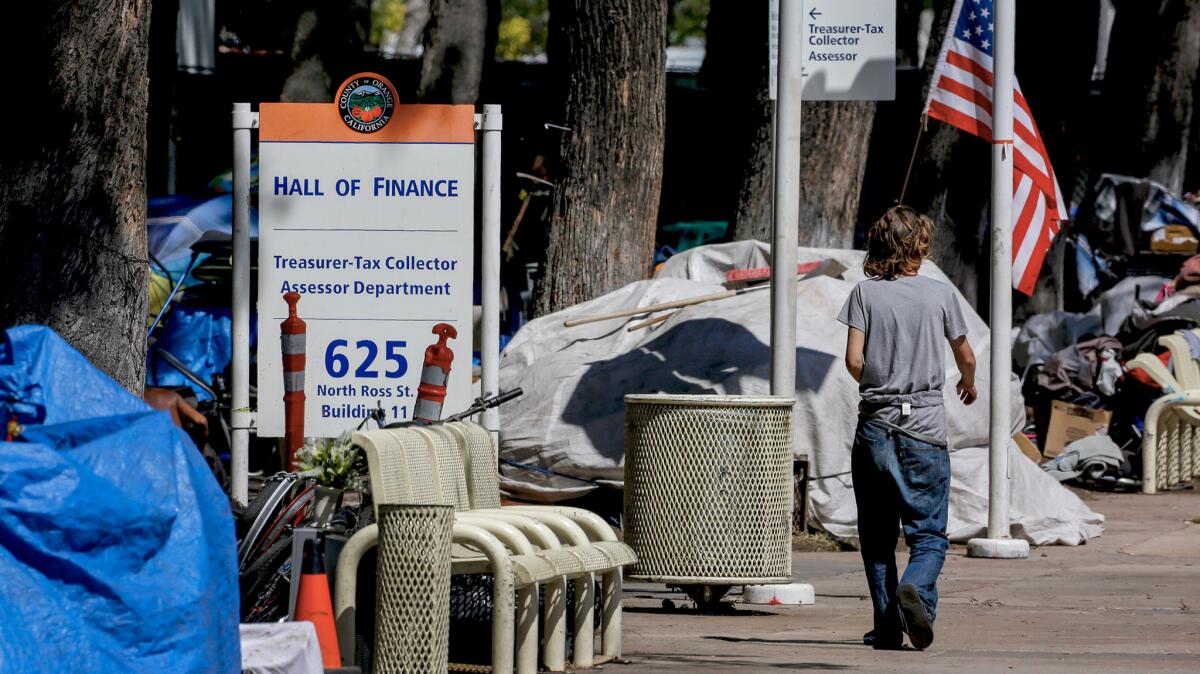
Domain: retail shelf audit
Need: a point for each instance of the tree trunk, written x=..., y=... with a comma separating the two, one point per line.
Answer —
x=951, y=184
x=834, y=136
x=734, y=75
x=326, y=47
x=1149, y=88
x=73, y=187
x=609, y=63
x=949, y=180
x=835, y=141
x=456, y=51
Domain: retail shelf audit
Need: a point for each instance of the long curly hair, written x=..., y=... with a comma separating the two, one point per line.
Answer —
x=897, y=242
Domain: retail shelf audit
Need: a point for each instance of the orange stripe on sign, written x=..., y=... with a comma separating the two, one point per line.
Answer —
x=319, y=122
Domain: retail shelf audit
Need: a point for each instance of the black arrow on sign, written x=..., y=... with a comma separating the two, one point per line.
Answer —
x=814, y=13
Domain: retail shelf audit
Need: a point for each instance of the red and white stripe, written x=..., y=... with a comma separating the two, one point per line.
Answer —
x=292, y=337
x=961, y=96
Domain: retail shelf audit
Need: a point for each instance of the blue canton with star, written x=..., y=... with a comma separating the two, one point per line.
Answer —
x=976, y=24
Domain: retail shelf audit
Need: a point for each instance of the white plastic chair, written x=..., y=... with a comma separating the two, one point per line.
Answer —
x=423, y=465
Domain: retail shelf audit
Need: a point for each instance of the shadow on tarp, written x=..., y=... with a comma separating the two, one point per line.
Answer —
x=690, y=358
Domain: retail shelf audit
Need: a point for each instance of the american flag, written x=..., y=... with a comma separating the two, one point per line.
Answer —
x=961, y=96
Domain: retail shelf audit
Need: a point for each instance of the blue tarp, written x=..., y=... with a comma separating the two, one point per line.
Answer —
x=201, y=338
x=117, y=547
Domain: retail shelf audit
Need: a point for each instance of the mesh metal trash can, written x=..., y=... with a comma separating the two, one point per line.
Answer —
x=708, y=489
x=412, y=619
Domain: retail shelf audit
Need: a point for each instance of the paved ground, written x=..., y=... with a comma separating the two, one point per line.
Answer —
x=1128, y=601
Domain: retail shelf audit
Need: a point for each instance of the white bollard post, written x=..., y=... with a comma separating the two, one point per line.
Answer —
x=999, y=543
x=240, y=417
x=489, y=342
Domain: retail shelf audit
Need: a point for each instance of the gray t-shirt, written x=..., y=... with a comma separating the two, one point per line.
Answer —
x=906, y=321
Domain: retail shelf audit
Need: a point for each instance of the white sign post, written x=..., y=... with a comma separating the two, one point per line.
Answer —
x=849, y=50
x=374, y=229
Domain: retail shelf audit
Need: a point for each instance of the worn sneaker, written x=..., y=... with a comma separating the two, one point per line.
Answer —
x=894, y=642
x=913, y=617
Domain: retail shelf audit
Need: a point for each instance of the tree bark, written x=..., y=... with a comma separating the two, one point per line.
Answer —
x=1154, y=58
x=834, y=144
x=73, y=184
x=734, y=75
x=327, y=44
x=834, y=139
x=949, y=180
x=609, y=63
x=456, y=51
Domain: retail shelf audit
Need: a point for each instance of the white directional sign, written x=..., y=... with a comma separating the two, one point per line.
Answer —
x=849, y=50
x=367, y=211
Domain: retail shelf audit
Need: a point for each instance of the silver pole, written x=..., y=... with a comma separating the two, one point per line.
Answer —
x=787, y=201
x=243, y=121
x=1001, y=318
x=999, y=542
x=489, y=343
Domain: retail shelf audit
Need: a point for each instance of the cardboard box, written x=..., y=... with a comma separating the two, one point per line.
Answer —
x=1027, y=447
x=1069, y=423
x=1174, y=239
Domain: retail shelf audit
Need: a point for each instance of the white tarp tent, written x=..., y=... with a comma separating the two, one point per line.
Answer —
x=566, y=435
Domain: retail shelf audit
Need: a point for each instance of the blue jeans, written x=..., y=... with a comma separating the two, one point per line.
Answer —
x=899, y=479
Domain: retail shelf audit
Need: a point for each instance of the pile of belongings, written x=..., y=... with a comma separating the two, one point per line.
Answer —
x=1124, y=217
x=1095, y=458
x=1137, y=343
x=1138, y=276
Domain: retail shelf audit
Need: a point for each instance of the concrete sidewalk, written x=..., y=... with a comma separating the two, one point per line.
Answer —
x=1128, y=601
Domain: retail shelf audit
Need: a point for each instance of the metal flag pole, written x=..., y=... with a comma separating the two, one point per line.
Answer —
x=786, y=221
x=787, y=202
x=489, y=343
x=240, y=417
x=999, y=542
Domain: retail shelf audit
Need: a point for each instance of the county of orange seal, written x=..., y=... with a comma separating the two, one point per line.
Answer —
x=366, y=102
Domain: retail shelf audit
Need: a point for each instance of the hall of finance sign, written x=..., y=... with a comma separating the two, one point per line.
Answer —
x=366, y=210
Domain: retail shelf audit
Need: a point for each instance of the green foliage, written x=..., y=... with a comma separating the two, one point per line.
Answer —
x=336, y=464
x=523, y=29
x=387, y=16
x=366, y=101
x=688, y=18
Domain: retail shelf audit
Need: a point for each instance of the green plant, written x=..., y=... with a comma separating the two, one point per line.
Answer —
x=335, y=463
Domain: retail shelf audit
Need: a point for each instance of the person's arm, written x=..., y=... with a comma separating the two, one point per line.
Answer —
x=854, y=353
x=964, y=357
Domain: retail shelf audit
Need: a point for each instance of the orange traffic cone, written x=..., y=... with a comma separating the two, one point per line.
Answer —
x=313, y=603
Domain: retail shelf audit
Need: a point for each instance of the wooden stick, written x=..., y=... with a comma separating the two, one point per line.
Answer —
x=675, y=304
x=652, y=321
